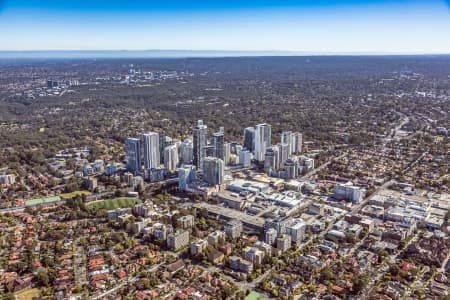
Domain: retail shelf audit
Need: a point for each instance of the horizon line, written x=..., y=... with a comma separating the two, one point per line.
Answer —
x=169, y=53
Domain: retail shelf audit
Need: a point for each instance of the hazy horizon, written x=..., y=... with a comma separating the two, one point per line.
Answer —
x=159, y=53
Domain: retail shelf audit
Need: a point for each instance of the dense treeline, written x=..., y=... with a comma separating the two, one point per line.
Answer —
x=332, y=100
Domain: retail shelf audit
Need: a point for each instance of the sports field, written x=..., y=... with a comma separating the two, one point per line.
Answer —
x=42, y=201
x=113, y=203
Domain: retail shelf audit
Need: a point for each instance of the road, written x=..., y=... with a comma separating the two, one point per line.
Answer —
x=377, y=190
x=384, y=268
x=242, y=285
x=394, y=131
x=355, y=209
x=12, y=209
x=415, y=162
x=120, y=285
x=418, y=280
x=321, y=167
x=79, y=267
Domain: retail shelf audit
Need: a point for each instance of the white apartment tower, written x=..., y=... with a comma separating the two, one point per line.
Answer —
x=263, y=140
x=296, y=142
x=151, y=150
x=171, y=158
x=286, y=139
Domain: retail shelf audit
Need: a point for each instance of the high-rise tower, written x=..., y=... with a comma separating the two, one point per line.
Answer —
x=151, y=150
x=213, y=170
x=199, y=142
x=249, y=138
x=133, y=154
x=218, y=141
x=263, y=140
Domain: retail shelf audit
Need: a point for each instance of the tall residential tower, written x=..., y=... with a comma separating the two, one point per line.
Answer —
x=199, y=143
x=249, y=138
x=296, y=142
x=133, y=154
x=171, y=158
x=151, y=150
x=218, y=141
x=263, y=140
x=213, y=170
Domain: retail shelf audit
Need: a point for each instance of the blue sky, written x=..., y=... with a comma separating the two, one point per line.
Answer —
x=314, y=26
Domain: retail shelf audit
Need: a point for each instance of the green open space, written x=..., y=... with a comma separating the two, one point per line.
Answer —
x=42, y=201
x=255, y=296
x=113, y=203
x=74, y=194
x=27, y=294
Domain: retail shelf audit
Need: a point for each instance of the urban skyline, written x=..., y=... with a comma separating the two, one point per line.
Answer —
x=273, y=149
x=344, y=191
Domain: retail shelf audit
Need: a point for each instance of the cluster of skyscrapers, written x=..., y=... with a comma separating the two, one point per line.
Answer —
x=156, y=151
x=210, y=156
x=162, y=153
x=279, y=160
